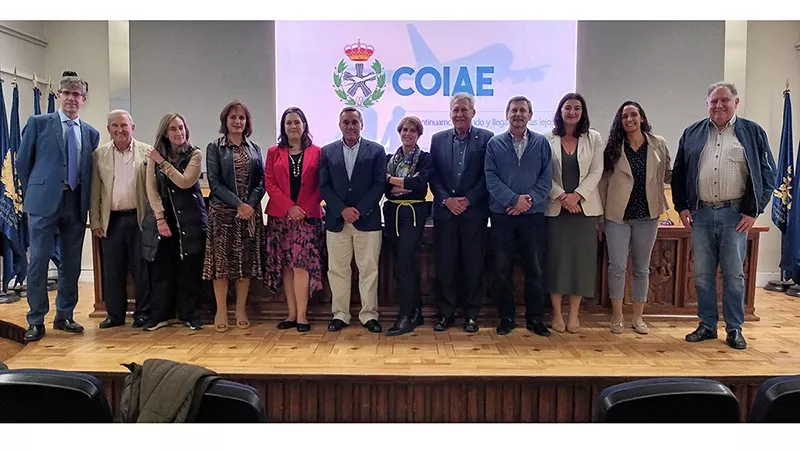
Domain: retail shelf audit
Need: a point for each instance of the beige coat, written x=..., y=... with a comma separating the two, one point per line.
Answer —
x=590, y=162
x=616, y=188
x=103, y=183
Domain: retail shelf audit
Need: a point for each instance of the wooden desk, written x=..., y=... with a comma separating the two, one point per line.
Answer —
x=671, y=291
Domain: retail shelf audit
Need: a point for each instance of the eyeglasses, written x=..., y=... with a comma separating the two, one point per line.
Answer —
x=71, y=94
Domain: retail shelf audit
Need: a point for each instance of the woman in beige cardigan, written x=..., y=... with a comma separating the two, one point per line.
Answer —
x=574, y=209
x=637, y=164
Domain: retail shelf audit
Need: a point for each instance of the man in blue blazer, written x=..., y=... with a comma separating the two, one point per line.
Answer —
x=54, y=164
x=460, y=213
x=352, y=179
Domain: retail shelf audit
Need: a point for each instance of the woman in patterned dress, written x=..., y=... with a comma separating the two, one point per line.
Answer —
x=236, y=235
x=295, y=233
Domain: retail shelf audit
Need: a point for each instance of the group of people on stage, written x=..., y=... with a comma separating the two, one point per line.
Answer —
x=548, y=197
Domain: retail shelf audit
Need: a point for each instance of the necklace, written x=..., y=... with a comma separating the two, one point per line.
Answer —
x=296, y=163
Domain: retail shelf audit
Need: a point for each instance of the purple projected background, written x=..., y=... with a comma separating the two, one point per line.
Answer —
x=412, y=68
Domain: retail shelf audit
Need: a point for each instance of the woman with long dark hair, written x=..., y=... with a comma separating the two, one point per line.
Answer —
x=235, y=237
x=573, y=210
x=174, y=229
x=636, y=167
x=295, y=233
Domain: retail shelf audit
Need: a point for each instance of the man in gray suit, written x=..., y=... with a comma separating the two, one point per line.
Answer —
x=54, y=164
x=460, y=212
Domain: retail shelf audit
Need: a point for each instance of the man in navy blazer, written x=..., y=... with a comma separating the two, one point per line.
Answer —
x=54, y=164
x=352, y=175
x=460, y=213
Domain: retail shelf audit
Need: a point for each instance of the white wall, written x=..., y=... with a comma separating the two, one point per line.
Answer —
x=196, y=68
x=771, y=59
x=17, y=49
x=665, y=66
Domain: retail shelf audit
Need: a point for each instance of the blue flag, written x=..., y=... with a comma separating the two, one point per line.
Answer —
x=11, y=216
x=782, y=195
x=51, y=102
x=37, y=98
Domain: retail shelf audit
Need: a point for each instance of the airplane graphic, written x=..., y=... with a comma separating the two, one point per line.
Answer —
x=497, y=55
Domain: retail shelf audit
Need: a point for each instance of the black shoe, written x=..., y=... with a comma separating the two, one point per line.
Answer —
x=195, y=324
x=701, y=334
x=373, y=326
x=337, y=325
x=68, y=325
x=34, y=333
x=139, y=323
x=505, y=327
x=303, y=327
x=444, y=323
x=471, y=326
x=736, y=340
x=402, y=325
x=108, y=323
x=538, y=327
x=416, y=317
x=286, y=324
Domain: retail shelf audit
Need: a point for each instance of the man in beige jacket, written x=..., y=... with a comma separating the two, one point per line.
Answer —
x=118, y=205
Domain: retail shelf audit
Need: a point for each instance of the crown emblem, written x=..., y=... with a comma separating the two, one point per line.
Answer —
x=359, y=51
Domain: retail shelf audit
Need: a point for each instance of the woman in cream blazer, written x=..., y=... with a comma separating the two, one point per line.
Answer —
x=637, y=164
x=574, y=209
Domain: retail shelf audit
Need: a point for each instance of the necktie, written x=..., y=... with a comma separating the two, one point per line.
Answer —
x=72, y=156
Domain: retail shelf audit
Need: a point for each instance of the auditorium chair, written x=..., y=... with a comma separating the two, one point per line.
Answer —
x=231, y=402
x=777, y=401
x=667, y=400
x=52, y=396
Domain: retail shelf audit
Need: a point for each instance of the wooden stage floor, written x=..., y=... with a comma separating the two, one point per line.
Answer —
x=292, y=370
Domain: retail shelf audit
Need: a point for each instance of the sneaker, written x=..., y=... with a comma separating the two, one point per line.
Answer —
x=153, y=326
x=195, y=324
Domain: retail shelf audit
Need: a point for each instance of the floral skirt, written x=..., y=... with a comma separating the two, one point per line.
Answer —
x=294, y=245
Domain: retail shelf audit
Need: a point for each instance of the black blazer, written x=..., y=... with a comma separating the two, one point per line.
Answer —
x=221, y=177
x=473, y=181
x=363, y=191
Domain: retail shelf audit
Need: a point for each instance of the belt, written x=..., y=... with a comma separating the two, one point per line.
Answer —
x=399, y=203
x=123, y=212
x=722, y=204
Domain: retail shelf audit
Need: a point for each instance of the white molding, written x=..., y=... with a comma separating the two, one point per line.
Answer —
x=23, y=36
x=763, y=277
x=87, y=276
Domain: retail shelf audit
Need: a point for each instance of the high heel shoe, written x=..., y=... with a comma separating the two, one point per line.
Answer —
x=573, y=328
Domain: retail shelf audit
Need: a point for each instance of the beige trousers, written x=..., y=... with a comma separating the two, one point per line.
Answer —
x=367, y=248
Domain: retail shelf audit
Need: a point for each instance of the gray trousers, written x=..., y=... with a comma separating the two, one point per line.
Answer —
x=634, y=237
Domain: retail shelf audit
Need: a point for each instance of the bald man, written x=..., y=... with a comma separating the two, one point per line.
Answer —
x=118, y=205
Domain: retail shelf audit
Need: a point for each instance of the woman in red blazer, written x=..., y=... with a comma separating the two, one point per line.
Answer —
x=295, y=232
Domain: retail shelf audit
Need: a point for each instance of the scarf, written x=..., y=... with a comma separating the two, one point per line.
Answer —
x=403, y=165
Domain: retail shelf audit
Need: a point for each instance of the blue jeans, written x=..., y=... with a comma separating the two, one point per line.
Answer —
x=716, y=243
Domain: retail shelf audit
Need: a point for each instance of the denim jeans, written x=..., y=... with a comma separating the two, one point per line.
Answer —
x=716, y=243
x=634, y=237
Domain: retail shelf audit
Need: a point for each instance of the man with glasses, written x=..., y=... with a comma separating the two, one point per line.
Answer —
x=54, y=164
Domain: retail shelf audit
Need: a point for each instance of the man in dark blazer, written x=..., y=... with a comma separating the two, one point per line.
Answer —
x=54, y=164
x=460, y=212
x=352, y=180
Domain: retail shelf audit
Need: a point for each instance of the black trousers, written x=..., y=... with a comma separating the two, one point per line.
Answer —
x=175, y=281
x=122, y=251
x=406, y=250
x=460, y=245
x=528, y=234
